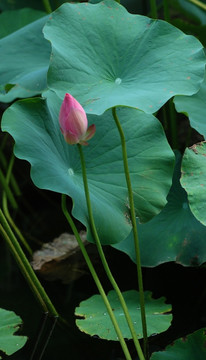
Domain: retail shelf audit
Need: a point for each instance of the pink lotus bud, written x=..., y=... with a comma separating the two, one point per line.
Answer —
x=73, y=122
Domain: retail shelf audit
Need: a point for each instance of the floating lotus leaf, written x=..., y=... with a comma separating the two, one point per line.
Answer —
x=9, y=324
x=96, y=321
x=189, y=348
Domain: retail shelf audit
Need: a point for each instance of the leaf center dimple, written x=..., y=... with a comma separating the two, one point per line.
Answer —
x=118, y=81
x=71, y=171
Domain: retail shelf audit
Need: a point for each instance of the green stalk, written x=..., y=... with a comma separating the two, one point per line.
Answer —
x=6, y=210
x=3, y=142
x=8, y=190
x=135, y=232
x=96, y=279
x=13, y=181
x=164, y=121
x=25, y=267
x=13, y=225
x=103, y=259
x=153, y=9
x=47, y=6
x=166, y=11
x=173, y=125
x=198, y=3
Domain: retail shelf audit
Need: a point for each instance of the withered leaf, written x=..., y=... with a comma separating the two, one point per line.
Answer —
x=62, y=259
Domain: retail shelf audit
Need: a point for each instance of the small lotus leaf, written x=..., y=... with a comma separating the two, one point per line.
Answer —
x=191, y=347
x=96, y=321
x=9, y=324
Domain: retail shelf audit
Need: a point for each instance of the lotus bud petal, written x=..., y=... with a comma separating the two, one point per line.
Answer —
x=73, y=122
x=89, y=134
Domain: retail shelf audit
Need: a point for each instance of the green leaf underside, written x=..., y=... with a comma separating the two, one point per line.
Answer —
x=173, y=235
x=193, y=179
x=19, y=4
x=11, y=21
x=193, y=10
x=96, y=320
x=9, y=324
x=195, y=107
x=56, y=165
x=24, y=62
x=142, y=67
x=189, y=348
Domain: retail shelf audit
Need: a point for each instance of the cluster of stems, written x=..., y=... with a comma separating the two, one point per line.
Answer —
x=13, y=236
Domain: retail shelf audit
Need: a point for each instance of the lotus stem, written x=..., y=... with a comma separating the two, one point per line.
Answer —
x=96, y=279
x=198, y=3
x=8, y=190
x=153, y=9
x=25, y=267
x=6, y=210
x=135, y=232
x=166, y=11
x=47, y=6
x=103, y=259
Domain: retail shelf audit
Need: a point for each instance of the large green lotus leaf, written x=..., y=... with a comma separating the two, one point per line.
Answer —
x=56, y=165
x=96, y=320
x=11, y=21
x=193, y=179
x=105, y=57
x=190, y=348
x=191, y=28
x=9, y=324
x=24, y=62
x=173, y=235
x=194, y=107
